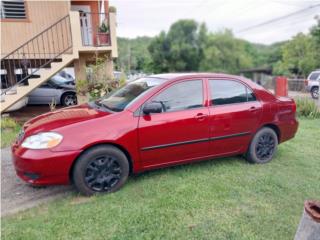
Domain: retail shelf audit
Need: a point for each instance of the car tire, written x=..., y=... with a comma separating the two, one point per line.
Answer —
x=263, y=146
x=69, y=99
x=315, y=92
x=101, y=169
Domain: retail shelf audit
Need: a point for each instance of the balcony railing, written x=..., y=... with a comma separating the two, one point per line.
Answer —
x=95, y=29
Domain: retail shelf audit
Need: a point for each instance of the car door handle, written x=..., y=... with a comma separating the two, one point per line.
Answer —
x=253, y=109
x=200, y=116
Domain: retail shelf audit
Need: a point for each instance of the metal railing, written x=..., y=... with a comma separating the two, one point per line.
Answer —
x=95, y=29
x=44, y=48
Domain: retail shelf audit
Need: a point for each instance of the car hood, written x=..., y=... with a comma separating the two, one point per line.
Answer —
x=62, y=118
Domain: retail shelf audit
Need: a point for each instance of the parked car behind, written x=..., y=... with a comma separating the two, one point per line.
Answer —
x=58, y=89
x=312, y=84
x=153, y=122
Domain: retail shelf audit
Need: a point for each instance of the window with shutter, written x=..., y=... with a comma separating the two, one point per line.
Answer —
x=13, y=9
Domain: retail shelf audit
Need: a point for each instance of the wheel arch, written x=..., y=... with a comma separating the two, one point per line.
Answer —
x=275, y=128
x=121, y=148
x=66, y=92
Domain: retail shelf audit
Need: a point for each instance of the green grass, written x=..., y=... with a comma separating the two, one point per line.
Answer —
x=9, y=130
x=221, y=199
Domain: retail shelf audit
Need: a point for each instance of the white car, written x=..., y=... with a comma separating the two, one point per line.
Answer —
x=312, y=83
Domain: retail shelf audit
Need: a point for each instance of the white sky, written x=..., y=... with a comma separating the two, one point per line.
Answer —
x=149, y=17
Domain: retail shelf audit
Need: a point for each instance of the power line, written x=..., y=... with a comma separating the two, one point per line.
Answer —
x=278, y=18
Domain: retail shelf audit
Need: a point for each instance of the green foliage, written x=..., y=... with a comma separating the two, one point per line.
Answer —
x=225, y=198
x=179, y=49
x=7, y=122
x=224, y=53
x=307, y=108
x=82, y=87
x=112, y=9
x=9, y=131
x=133, y=55
x=188, y=46
x=298, y=56
x=103, y=28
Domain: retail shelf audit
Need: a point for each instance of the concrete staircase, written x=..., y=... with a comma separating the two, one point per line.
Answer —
x=20, y=90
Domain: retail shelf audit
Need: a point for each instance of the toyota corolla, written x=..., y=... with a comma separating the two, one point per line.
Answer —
x=153, y=122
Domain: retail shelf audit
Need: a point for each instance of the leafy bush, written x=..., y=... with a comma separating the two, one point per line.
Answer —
x=307, y=108
x=7, y=122
x=112, y=9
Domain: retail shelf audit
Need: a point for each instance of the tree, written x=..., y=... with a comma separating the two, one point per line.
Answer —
x=298, y=56
x=178, y=50
x=224, y=53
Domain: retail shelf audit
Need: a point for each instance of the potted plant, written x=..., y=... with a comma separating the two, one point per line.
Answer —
x=103, y=34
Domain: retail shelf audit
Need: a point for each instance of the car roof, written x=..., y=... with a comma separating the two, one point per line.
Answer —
x=178, y=76
x=173, y=76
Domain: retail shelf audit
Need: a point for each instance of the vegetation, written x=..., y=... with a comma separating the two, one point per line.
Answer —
x=221, y=199
x=189, y=46
x=307, y=108
x=9, y=131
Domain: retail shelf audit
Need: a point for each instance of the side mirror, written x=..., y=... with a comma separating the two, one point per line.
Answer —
x=152, y=107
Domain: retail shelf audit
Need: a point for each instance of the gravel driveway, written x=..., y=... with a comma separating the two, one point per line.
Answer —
x=16, y=195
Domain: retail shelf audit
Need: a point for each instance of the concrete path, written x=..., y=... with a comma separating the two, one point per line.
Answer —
x=16, y=195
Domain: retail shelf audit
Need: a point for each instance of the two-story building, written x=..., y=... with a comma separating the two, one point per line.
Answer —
x=39, y=38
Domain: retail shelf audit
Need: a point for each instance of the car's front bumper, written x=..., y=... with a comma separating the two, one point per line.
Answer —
x=43, y=167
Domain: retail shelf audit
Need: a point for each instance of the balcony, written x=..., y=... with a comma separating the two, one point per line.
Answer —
x=94, y=32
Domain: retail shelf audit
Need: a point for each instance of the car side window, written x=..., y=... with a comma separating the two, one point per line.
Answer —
x=181, y=96
x=228, y=92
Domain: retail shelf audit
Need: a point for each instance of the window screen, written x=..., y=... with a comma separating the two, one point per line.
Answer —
x=13, y=9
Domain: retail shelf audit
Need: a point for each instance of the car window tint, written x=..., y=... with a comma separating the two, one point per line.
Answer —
x=181, y=96
x=314, y=76
x=228, y=92
x=250, y=95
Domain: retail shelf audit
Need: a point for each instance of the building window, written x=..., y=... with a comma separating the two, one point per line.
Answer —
x=13, y=9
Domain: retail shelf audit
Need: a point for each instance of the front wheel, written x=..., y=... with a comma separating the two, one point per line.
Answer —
x=315, y=92
x=69, y=99
x=101, y=169
x=263, y=146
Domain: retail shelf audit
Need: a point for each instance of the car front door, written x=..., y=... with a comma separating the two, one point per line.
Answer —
x=180, y=132
x=44, y=94
x=235, y=114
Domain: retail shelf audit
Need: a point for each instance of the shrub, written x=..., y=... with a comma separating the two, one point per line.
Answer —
x=7, y=122
x=307, y=108
x=112, y=9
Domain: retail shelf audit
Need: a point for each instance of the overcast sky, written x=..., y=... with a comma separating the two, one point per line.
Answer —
x=149, y=17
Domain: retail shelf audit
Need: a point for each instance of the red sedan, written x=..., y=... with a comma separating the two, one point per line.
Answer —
x=153, y=122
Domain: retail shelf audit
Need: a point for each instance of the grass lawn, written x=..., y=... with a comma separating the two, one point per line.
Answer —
x=221, y=199
x=9, y=131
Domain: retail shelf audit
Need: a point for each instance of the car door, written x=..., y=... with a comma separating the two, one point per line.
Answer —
x=180, y=132
x=43, y=94
x=234, y=116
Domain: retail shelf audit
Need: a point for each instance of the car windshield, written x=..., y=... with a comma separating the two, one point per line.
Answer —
x=59, y=80
x=118, y=100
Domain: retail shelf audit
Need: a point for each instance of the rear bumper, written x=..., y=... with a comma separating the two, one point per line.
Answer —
x=288, y=130
x=43, y=167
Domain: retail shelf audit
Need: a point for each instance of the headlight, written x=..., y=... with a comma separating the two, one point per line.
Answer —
x=42, y=140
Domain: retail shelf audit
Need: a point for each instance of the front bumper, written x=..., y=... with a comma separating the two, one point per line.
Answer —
x=43, y=167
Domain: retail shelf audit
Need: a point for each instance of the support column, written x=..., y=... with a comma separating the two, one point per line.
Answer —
x=80, y=69
x=108, y=67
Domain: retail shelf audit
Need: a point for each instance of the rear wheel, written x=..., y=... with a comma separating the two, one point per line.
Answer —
x=101, y=169
x=263, y=146
x=69, y=99
x=315, y=92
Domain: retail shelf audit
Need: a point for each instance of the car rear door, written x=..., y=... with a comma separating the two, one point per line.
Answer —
x=181, y=131
x=235, y=115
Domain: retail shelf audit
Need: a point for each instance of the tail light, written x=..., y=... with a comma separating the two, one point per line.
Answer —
x=306, y=82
